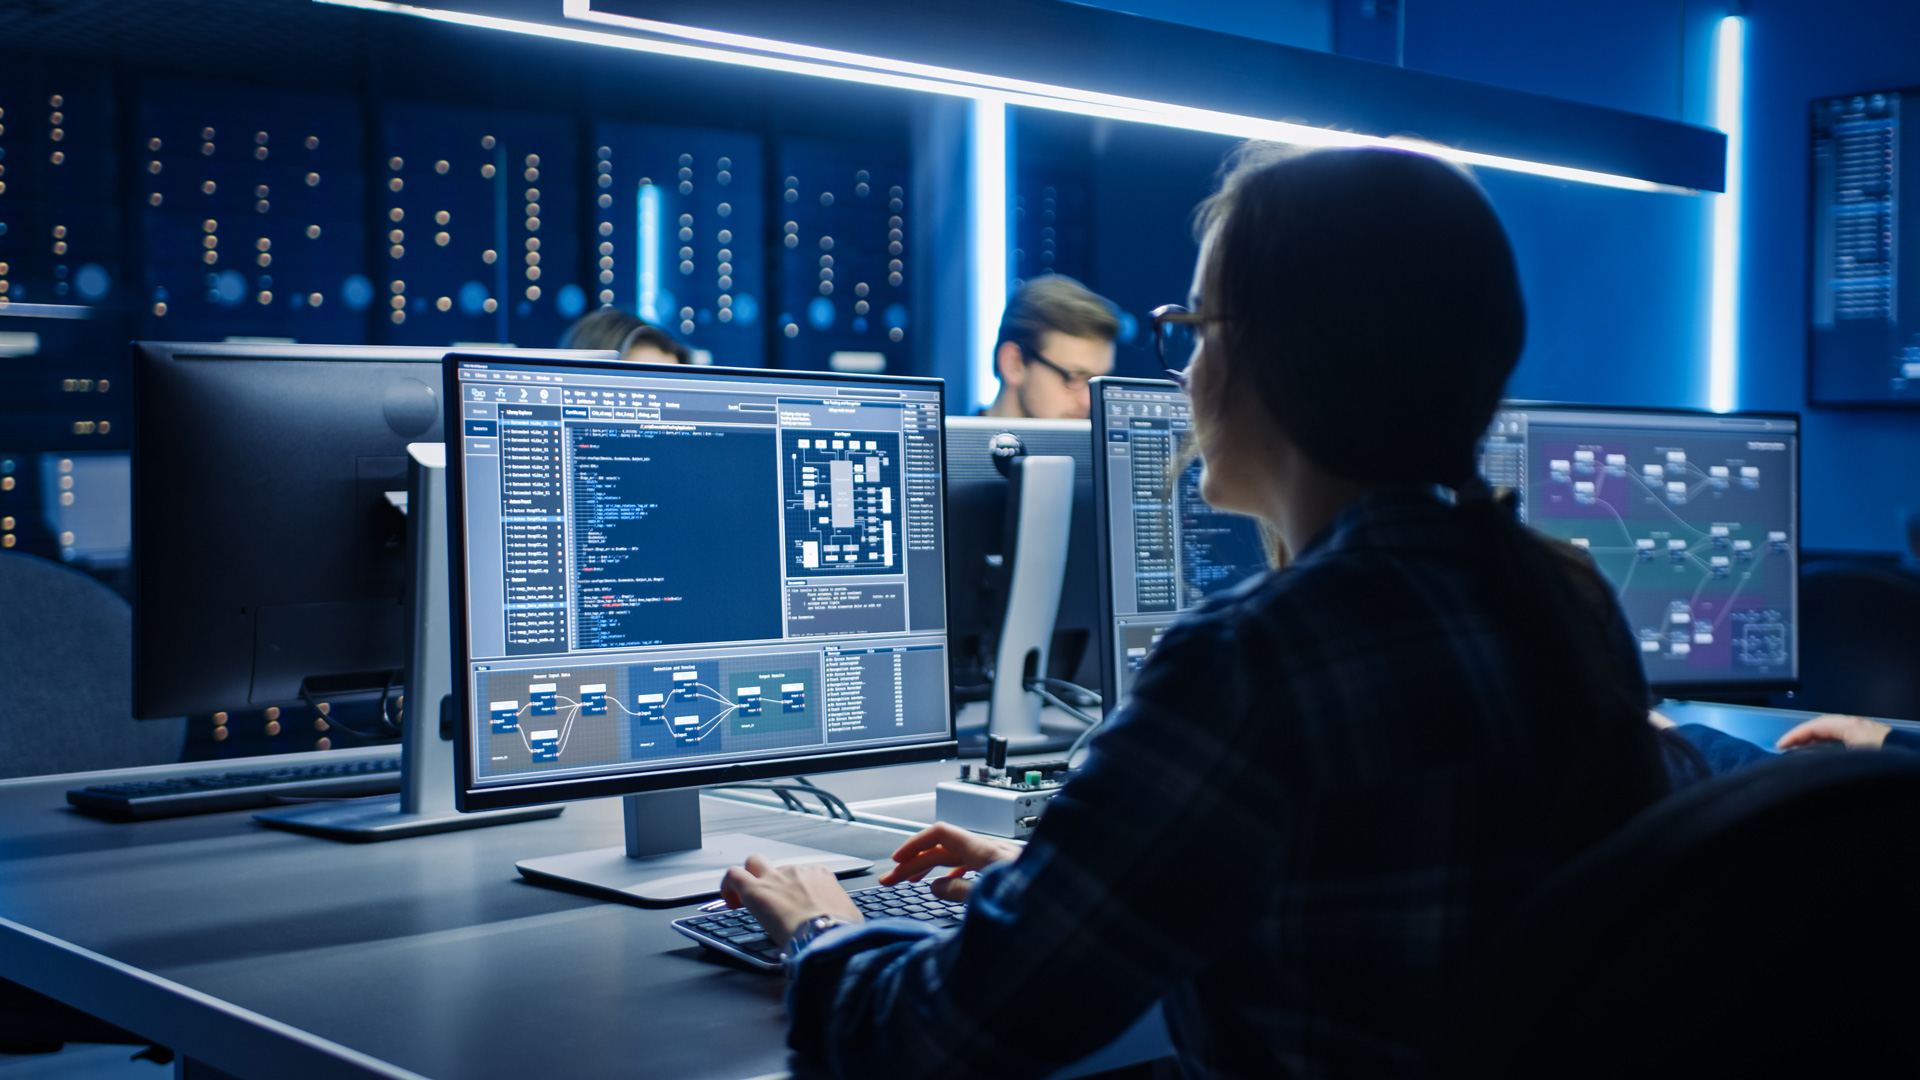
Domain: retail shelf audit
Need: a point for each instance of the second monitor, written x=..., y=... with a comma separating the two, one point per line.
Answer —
x=982, y=551
x=1163, y=549
x=1693, y=517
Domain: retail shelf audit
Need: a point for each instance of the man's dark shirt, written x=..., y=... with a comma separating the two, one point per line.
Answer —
x=1324, y=792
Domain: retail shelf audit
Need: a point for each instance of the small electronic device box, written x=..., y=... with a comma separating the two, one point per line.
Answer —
x=992, y=798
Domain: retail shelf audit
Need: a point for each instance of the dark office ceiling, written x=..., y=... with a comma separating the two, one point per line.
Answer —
x=299, y=43
x=268, y=38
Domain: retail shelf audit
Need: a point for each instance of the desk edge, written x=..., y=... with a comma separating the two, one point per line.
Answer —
x=208, y=1029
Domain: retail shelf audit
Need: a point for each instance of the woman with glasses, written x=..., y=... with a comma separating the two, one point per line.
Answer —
x=1331, y=784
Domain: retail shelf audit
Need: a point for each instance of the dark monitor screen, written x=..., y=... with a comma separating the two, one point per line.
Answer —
x=268, y=521
x=667, y=577
x=1163, y=548
x=1694, y=518
x=980, y=543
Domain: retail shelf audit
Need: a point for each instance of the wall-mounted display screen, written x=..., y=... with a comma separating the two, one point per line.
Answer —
x=1864, y=338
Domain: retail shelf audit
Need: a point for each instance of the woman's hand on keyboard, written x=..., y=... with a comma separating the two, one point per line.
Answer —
x=783, y=897
x=948, y=845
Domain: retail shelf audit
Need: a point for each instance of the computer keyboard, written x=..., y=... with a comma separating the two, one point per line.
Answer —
x=738, y=934
x=208, y=793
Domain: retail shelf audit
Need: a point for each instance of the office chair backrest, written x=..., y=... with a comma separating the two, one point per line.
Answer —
x=1756, y=924
x=66, y=676
x=1860, y=639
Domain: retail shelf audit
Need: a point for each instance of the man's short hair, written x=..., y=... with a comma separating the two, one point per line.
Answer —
x=1056, y=302
x=659, y=339
x=615, y=330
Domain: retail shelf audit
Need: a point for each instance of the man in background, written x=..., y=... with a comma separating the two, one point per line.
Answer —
x=637, y=341
x=1056, y=334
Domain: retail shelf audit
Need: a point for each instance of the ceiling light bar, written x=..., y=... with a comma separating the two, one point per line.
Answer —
x=875, y=71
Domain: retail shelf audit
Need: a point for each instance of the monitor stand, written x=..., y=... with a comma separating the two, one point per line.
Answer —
x=665, y=860
x=1040, y=497
x=425, y=802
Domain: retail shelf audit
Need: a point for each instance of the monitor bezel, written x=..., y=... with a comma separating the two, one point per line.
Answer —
x=1680, y=691
x=469, y=796
x=1102, y=535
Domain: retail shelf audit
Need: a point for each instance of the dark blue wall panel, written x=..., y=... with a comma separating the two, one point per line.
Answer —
x=251, y=213
x=58, y=185
x=1146, y=182
x=63, y=264
x=843, y=259
x=1624, y=54
x=479, y=226
x=1615, y=284
x=1052, y=194
x=698, y=267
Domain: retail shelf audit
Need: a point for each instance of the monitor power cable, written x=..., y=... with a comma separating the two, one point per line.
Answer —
x=325, y=712
x=835, y=807
x=1058, y=702
x=1074, y=692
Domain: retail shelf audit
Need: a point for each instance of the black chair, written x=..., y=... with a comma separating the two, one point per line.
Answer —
x=1859, y=639
x=1752, y=925
x=66, y=701
x=66, y=676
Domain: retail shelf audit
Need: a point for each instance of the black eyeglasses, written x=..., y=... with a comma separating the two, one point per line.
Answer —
x=1075, y=380
x=1176, y=333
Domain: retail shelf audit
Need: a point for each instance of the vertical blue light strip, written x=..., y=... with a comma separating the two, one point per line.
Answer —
x=1729, y=104
x=989, y=222
x=649, y=306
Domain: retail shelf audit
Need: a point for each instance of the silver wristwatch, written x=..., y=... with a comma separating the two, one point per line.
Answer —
x=804, y=934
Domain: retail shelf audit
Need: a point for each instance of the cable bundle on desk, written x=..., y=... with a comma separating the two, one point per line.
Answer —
x=787, y=792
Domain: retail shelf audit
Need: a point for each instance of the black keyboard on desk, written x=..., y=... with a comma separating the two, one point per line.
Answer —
x=738, y=934
x=207, y=793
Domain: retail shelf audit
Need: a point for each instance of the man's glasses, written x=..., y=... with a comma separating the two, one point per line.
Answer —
x=1075, y=380
x=1176, y=333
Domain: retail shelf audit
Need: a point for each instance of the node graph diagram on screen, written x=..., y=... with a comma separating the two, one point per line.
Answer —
x=657, y=711
x=1694, y=528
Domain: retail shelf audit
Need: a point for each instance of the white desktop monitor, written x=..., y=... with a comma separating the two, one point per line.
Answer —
x=1694, y=517
x=1162, y=548
x=669, y=577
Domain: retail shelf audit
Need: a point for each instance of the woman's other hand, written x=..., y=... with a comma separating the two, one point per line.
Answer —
x=948, y=845
x=1858, y=732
